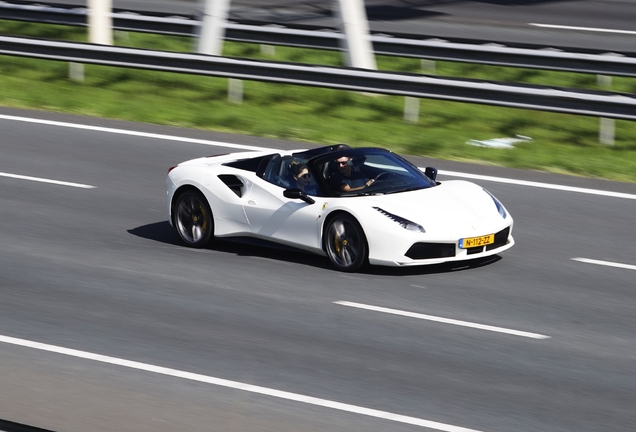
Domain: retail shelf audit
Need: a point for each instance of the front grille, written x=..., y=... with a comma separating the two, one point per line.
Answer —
x=431, y=250
x=501, y=238
x=474, y=250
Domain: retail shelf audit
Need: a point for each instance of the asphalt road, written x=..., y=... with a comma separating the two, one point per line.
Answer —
x=612, y=14
x=99, y=270
x=601, y=24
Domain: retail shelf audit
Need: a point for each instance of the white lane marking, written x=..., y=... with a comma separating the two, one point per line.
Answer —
x=590, y=29
x=43, y=180
x=540, y=185
x=132, y=133
x=246, y=147
x=442, y=320
x=605, y=263
x=237, y=385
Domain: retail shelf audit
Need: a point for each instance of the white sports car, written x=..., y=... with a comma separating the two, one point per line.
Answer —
x=354, y=205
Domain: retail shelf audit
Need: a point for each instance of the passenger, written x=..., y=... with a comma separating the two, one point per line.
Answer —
x=300, y=172
x=346, y=179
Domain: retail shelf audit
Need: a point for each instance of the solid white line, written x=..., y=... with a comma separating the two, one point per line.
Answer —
x=237, y=385
x=43, y=180
x=132, y=133
x=605, y=263
x=540, y=185
x=246, y=147
x=442, y=320
x=590, y=29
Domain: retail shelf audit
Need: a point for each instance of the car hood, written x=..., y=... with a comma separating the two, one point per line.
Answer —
x=451, y=203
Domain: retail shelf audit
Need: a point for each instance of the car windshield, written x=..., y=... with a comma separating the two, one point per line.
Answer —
x=368, y=171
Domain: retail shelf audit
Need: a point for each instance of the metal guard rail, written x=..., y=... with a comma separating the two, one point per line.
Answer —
x=534, y=57
x=580, y=102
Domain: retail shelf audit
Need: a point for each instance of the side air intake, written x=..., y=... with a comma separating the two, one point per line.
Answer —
x=233, y=183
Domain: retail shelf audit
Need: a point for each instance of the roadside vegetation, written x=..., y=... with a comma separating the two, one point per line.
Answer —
x=560, y=143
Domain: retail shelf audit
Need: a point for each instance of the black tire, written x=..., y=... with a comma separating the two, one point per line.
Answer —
x=345, y=243
x=193, y=219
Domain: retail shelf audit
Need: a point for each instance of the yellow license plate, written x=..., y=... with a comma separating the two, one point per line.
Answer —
x=471, y=242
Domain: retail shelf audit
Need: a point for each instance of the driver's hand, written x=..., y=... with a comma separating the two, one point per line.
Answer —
x=370, y=182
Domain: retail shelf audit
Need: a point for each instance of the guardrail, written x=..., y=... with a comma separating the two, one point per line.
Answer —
x=527, y=56
x=581, y=102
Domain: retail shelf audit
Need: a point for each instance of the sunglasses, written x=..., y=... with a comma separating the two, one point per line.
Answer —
x=343, y=163
x=304, y=176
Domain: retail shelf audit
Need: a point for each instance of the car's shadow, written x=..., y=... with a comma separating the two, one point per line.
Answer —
x=161, y=232
x=244, y=246
x=431, y=269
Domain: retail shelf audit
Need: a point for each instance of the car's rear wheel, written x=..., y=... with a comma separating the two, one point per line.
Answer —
x=193, y=219
x=345, y=243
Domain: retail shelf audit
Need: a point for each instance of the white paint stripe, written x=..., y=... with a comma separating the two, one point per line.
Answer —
x=442, y=320
x=43, y=180
x=605, y=263
x=237, y=385
x=540, y=185
x=590, y=29
x=132, y=133
x=246, y=147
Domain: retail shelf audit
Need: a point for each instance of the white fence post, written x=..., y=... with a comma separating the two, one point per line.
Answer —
x=607, y=131
x=235, y=91
x=411, y=104
x=100, y=31
x=211, y=35
x=76, y=71
x=100, y=22
x=607, y=126
x=212, y=30
x=268, y=50
x=411, y=109
x=352, y=19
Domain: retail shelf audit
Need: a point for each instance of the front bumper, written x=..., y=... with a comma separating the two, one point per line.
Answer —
x=421, y=253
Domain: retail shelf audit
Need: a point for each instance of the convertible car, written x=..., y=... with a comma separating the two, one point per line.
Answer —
x=354, y=205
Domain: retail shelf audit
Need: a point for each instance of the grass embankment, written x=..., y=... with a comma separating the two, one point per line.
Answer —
x=560, y=143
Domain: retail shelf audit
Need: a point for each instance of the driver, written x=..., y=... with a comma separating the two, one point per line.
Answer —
x=346, y=179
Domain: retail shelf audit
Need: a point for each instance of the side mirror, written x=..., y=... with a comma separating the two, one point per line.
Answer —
x=295, y=193
x=431, y=173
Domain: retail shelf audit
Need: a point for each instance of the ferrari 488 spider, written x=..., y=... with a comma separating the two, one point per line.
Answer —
x=354, y=205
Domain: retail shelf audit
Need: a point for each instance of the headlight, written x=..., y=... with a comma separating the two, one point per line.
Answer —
x=500, y=207
x=404, y=223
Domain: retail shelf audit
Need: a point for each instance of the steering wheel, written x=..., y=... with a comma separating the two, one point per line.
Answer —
x=382, y=174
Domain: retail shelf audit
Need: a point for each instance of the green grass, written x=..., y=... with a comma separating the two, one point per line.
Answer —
x=560, y=143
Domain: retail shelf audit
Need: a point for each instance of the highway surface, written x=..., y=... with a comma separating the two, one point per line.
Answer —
x=107, y=323
x=595, y=24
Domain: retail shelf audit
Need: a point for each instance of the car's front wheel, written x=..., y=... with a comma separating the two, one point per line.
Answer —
x=345, y=243
x=193, y=219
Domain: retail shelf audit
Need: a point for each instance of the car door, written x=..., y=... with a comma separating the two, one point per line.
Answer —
x=271, y=215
